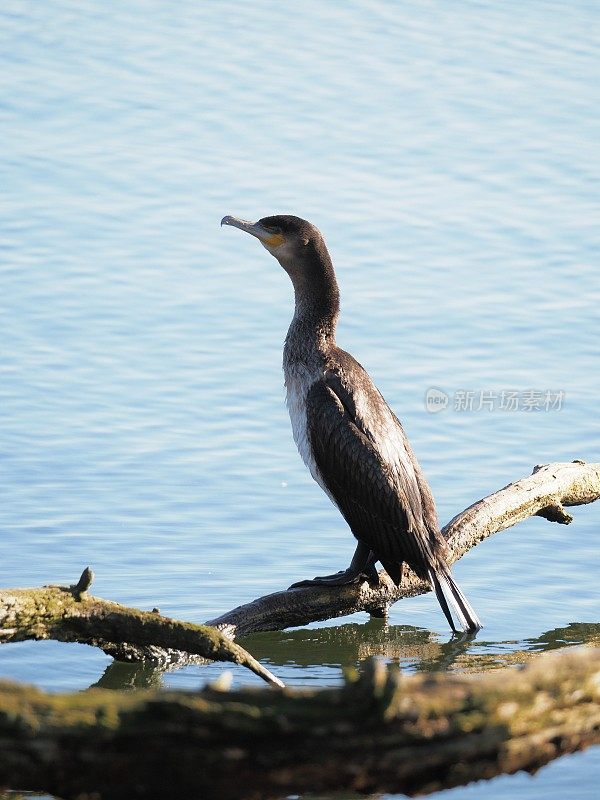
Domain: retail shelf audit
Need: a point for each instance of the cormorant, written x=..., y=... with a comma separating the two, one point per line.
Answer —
x=348, y=437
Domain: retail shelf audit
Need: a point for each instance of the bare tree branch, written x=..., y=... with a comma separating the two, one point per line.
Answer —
x=544, y=493
x=70, y=614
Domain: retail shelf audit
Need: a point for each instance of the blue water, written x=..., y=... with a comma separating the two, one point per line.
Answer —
x=448, y=152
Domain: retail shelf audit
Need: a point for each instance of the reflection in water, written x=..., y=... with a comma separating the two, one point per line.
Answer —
x=122, y=675
x=413, y=649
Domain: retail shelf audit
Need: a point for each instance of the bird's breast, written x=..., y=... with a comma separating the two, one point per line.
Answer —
x=298, y=380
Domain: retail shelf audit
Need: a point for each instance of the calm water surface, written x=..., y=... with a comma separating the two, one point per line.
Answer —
x=448, y=152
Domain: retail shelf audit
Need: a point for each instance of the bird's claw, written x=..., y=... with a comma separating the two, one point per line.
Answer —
x=344, y=577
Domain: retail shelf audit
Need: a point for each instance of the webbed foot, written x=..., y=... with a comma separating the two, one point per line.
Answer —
x=362, y=568
x=341, y=578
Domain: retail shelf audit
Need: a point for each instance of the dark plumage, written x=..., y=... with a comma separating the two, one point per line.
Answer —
x=351, y=441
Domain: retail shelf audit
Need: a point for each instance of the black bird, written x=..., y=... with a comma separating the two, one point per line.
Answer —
x=347, y=435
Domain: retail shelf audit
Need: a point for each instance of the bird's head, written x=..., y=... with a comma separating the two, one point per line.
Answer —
x=293, y=241
x=301, y=251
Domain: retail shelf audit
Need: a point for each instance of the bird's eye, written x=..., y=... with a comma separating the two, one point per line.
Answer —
x=273, y=228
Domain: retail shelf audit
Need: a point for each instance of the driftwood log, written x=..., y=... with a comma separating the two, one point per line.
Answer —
x=381, y=732
x=71, y=614
x=545, y=493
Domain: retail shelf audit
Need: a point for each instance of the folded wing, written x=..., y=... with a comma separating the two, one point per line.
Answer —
x=370, y=475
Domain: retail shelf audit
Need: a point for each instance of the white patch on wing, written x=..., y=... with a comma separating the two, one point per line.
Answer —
x=387, y=436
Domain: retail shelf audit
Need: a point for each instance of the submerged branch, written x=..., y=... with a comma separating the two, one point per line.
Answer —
x=70, y=614
x=381, y=732
x=544, y=493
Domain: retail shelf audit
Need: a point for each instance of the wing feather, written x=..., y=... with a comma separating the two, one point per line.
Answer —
x=378, y=496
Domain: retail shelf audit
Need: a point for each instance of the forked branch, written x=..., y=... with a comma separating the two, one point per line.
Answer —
x=544, y=493
x=70, y=614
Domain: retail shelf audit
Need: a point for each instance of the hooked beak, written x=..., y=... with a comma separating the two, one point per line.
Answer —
x=253, y=228
x=268, y=238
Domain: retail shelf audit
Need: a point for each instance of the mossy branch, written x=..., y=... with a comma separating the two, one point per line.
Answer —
x=70, y=614
x=381, y=732
x=544, y=493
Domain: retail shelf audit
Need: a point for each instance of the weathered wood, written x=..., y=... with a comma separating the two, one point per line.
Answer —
x=381, y=732
x=544, y=493
x=70, y=614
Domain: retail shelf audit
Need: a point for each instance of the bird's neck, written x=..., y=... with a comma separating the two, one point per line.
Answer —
x=317, y=313
x=317, y=307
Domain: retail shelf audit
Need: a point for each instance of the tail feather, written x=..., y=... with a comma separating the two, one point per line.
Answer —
x=441, y=598
x=448, y=592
